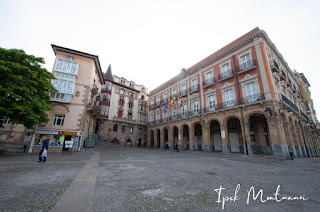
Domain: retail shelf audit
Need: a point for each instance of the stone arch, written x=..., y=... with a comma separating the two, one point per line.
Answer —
x=235, y=134
x=215, y=135
x=152, y=138
x=293, y=140
x=186, y=136
x=259, y=134
x=248, y=115
x=226, y=119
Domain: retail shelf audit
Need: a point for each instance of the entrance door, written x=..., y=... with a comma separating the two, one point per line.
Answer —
x=234, y=142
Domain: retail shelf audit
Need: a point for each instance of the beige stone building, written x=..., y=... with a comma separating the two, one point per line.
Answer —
x=244, y=98
x=123, y=111
x=76, y=104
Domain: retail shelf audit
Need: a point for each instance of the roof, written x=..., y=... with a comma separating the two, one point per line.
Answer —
x=82, y=54
x=108, y=74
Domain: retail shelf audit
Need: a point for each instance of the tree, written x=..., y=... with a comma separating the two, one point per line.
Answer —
x=24, y=88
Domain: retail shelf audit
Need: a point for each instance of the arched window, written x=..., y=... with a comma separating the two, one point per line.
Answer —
x=115, y=127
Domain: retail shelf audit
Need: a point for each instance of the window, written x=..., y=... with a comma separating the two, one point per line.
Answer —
x=120, y=113
x=121, y=102
x=158, y=99
x=184, y=109
x=165, y=96
x=58, y=120
x=123, y=81
x=140, y=131
x=130, y=104
x=225, y=68
x=130, y=94
x=174, y=91
x=67, y=66
x=209, y=75
x=151, y=117
x=104, y=97
x=196, y=106
x=3, y=136
x=152, y=102
x=228, y=97
x=121, y=92
x=183, y=87
x=251, y=92
x=115, y=127
x=130, y=116
x=245, y=61
x=108, y=86
x=104, y=110
x=174, y=112
x=130, y=130
x=211, y=102
x=158, y=116
x=194, y=82
x=70, y=58
x=123, y=129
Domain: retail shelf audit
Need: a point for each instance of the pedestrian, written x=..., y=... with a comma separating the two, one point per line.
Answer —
x=176, y=148
x=25, y=145
x=166, y=147
x=45, y=145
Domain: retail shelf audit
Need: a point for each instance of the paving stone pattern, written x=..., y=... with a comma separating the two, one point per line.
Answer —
x=140, y=179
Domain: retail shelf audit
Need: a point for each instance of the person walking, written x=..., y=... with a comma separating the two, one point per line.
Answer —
x=45, y=145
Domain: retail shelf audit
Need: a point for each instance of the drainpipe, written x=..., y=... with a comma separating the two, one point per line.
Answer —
x=242, y=119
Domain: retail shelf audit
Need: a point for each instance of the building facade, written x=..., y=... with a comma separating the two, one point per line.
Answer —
x=75, y=106
x=123, y=111
x=244, y=98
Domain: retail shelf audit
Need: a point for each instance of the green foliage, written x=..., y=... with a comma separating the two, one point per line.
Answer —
x=24, y=88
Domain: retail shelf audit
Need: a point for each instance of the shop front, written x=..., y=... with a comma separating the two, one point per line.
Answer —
x=60, y=140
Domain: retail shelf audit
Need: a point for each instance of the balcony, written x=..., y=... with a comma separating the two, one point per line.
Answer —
x=194, y=88
x=283, y=75
x=287, y=101
x=252, y=98
x=274, y=67
x=208, y=82
x=230, y=103
x=126, y=120
x=289, y=84
x=183, y=93
x=225, y=75
x=246, y=66
x=304, y=116
x=158, y=103
x=93, y=109
x=151, y=106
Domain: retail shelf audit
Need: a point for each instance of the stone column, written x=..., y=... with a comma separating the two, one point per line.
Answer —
x=249, y=144
x=157, y=141
x=149, y=138
x=295, y=141
x=225, y=139
x=171, y=137
x=302, y=148
x=162, y=138
x=206, y=139
x=191, y=137
x=278, y=137
x=289, y=138
x=180, y=138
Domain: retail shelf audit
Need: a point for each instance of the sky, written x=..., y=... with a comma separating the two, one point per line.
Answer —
x=149, y=42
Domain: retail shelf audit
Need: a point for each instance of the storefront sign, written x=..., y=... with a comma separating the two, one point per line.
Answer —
x=47, y=132
x=67, y=133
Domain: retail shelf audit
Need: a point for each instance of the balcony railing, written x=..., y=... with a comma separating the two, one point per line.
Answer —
x=208, y=82
x=151, y=106
x=183, y=92
x=194, y=88
x=94, y=89
x=158, y=103
x=286, y=100
x=225, y=75
x=304, y=115
x=213, y=108
x=283, y=75
x=251, y=64
x=274, y=66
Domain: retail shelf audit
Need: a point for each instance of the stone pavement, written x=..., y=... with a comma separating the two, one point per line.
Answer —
x=118, y=178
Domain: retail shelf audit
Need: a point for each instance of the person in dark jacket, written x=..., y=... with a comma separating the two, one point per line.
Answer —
x=45, y=145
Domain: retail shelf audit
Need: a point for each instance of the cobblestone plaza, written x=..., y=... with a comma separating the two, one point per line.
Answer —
x=111, y=177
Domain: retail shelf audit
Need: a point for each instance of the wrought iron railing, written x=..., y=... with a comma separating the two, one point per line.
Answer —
x=208, y=81
x=225, y=75
x=286, y=100
x=183, y=92
x=246, y=66
x=194, y=88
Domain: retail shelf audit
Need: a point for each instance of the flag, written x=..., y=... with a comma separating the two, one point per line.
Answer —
x=180, y=102
x=173, y=98
x=165, y=107
x=170, y=106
